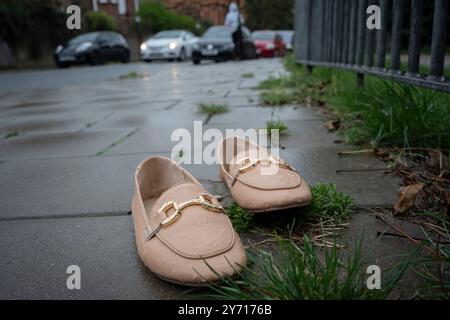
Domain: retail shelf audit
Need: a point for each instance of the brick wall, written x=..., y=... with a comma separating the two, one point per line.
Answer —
x=213, y=11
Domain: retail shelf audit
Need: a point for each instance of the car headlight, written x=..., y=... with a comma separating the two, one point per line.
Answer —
x=144, y=47
x=59, y=49
x=270, y=46
x=173, y=45
x=84, y=46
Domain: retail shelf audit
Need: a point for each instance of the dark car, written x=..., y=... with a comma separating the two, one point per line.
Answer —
x=93, y=48
x=217, y=44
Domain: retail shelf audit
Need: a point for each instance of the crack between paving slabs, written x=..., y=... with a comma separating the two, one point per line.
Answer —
x=112, y=145
x=68, y=216
x=89, y=125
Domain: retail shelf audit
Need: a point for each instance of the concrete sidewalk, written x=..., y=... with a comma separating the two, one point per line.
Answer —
x=76, y=139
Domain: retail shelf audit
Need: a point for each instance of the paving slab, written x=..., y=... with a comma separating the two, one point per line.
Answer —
x=153, y=119
x=87, y=186
x=44, y=124
x=146, y=140
x=36, y=253
x=61, y=144
x=262, y=115
x=64, y=187
x=385, y=251
x=363, y=178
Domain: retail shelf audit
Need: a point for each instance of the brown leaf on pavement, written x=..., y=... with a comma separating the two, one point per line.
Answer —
x=407, y=197
x=333, y=125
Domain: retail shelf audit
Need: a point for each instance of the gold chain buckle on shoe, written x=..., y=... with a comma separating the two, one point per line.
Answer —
x=204, y=200
x=248, y=163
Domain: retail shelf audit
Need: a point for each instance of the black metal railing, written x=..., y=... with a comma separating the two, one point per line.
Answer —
x=333, y=33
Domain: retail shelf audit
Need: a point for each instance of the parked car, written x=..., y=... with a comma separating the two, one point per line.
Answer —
x=168, y=45
x=217, y=44
x=93, y=48
x=269, y=44
x=288, y=38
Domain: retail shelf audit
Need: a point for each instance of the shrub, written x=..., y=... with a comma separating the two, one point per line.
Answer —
x=31, y=25
x=100, y=21
x=156, y=17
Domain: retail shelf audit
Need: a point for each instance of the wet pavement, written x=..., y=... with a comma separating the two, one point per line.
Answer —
x=70, y=141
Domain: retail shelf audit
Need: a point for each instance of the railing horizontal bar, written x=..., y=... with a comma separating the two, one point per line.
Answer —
x=402, y=77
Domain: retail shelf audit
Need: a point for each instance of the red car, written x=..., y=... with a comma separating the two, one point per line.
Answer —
x=269, y=44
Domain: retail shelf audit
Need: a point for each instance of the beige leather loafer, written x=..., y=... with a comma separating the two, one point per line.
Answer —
x=258, y=181
x=182, y=233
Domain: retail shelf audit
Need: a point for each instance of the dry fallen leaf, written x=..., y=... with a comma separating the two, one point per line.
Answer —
x=333, y=125
x=407, y=197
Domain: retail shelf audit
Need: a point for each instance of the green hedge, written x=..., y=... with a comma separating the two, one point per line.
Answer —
x=100, y=21
x=156, y=17
x=31, y=25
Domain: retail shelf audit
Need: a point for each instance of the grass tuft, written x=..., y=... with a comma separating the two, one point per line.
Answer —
x=247, y=75
x=132, y=75
x=277, y=125
x=241, y=219
x=12, y=134
x=212, y=109
x=278, y=97
x=306, y=273
x=386, y=113
x=327, y=203
x=273, y=83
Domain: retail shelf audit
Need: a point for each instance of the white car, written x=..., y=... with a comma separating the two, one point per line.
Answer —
x=168, y=45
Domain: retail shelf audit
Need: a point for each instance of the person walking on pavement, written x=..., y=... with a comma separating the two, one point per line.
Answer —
x=234, y=21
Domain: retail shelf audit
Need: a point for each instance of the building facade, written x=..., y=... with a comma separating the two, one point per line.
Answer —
x=212, y=11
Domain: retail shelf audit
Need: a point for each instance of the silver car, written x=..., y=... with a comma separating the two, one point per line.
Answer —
x=168, y=45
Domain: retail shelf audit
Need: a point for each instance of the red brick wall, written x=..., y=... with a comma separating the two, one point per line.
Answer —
x=213, y=11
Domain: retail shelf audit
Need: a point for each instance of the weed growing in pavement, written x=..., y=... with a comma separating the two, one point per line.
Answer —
x=12, y=134
x=132, y=75
x=247, y=75
x=327, y=203
x=212, y=109
x=241, y=219
x=277, y=125
x=278, y=97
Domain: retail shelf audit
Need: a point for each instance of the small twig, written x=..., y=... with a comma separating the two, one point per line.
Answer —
x=379, y=233
x=359, y=170
x=407, y=235
x=252, y=245
x=344, y=153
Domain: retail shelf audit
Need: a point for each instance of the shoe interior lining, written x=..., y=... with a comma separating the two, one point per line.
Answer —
x=156, y=176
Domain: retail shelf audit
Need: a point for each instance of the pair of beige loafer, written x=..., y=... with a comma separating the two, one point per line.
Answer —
x=183, y=234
